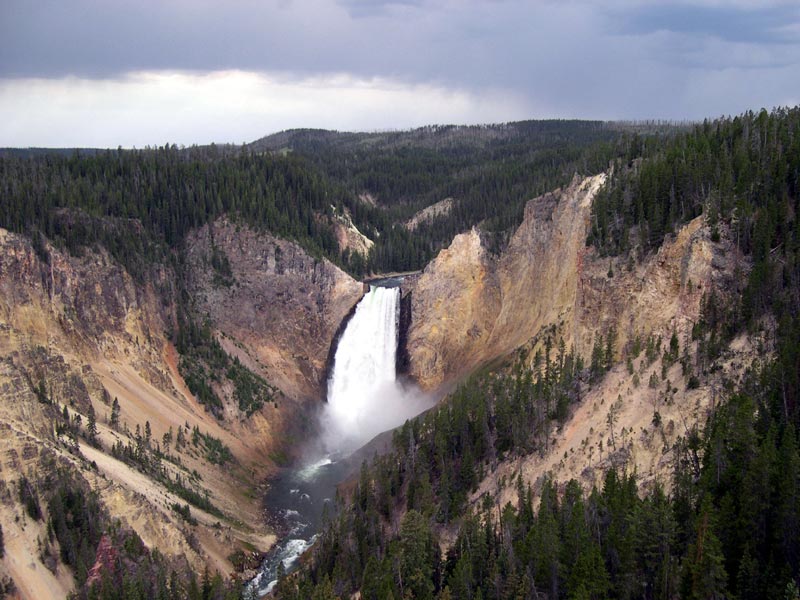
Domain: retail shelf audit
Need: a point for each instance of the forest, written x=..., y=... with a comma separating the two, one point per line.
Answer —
x=490, y=171
x=82, y=199
x=728, y=528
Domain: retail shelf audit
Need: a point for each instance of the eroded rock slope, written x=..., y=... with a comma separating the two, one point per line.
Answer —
x=469, y=309
x=281, y=306
x=79, y=336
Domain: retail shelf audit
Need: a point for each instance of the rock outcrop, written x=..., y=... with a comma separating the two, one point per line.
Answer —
x=281, y=308
x=469, y=307
x=88, y=304
x=348, y=235
x=454, y=304
x=430, y=213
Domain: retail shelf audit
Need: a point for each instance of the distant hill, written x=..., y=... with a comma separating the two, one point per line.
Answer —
x=489, y=171
x=439, y=136
x=293, y=183
x=31, y=152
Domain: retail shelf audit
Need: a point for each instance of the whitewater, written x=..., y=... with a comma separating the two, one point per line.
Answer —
x=362, y=389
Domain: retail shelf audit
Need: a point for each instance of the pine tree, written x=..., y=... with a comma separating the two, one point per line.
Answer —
x=324, y=590
x=597, y=365
x=610, y=348
x=656, y=540
x=91, y=426
x=417, y=556
x=704, y=570
x=115, y=413
x=546, y=542
x=786, y=473
x=285, y=589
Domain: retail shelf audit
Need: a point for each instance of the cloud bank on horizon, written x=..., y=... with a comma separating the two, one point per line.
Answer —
x=137, y=72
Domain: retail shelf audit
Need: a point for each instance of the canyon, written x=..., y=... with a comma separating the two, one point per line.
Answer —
x=80, y=334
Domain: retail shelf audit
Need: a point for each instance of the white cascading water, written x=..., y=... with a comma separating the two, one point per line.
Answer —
x=362, y=392
x=364, y=397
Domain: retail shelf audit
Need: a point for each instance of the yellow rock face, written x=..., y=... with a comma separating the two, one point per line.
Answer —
x=493, y=305
x=469, y=308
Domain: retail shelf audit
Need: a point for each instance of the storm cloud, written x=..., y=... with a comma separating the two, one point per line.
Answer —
x=362, y=61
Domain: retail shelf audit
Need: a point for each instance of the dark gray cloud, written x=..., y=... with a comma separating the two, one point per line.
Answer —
x=371, y=8
x=571, y=58
x=756, y=24
x=98, y=38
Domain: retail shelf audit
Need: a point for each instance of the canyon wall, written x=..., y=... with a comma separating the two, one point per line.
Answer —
x=281, y=308
x=468, y=307
x=78, y=334
x=471, y=309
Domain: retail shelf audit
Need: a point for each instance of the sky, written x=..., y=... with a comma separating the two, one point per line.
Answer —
x=132, y=73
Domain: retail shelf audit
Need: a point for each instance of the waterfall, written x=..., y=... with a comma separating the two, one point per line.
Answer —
x=364, y=399
x=362, y=388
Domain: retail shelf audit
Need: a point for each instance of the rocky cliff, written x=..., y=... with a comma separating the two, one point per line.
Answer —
x=430, y=213
x=80, y=336
x=281, y=307
x=469, y=308
x=454, y=304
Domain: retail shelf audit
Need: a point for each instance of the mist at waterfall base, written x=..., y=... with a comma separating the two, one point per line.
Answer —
x=365, y=399
x=364, y=396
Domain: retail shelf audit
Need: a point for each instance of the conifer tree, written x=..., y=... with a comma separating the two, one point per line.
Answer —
x=704, y=575
x=115, y=413
x=91, y=426
x=417, y=556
